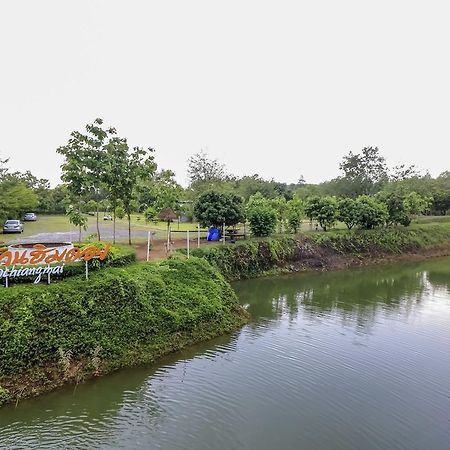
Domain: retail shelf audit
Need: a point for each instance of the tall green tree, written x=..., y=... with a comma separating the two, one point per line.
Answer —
x=83, y=167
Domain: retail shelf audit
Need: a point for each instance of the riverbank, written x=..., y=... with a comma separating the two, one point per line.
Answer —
x=332, y=250
x=73, y=330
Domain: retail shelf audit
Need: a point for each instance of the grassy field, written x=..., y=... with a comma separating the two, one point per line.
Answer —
x=53, y=227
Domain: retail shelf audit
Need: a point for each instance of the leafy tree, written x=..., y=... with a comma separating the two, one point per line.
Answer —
x=261, y=215
x=326, y=212
x=206, y=174
x=160, y=191
x=214, y=209
x=415, y=204
x=84, y=161
x=311, y=206
x=396, y=208
x=371, y=212
x=16, y=198
x=77, y=218
x=279, y=204
x=294, y=215
x=364, y=173
x=150, y=214
x=348, y=212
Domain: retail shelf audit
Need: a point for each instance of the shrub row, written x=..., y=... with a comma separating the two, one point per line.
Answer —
x=254, y=258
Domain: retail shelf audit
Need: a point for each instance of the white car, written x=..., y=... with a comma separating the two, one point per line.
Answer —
x=30, y=217
x=13, y=226
x=107, y=217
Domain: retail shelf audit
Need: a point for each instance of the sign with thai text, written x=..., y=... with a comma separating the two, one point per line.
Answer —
x=39, y=260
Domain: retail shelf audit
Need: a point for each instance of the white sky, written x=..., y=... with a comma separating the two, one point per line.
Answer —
x=279, y=88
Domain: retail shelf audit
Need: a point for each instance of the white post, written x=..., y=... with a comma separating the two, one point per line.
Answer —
x=168, y=239
x=223, y=237
x=48, y=275
x=148, y=244
x=187, y=242
x=87, y=271
x=198, y=235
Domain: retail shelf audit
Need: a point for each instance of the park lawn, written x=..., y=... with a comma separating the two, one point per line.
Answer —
x=44, y=224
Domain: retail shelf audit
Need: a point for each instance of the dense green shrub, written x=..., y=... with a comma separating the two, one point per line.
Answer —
x=371, y=213
x=215, y=208
x=255, y=258
x=126, y=312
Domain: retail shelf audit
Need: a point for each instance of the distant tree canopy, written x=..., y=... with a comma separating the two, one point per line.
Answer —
x=215, y=208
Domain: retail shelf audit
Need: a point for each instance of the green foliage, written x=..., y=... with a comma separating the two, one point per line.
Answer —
x=398, y=213
x=248, y=259
x=377, y=242
x=348, y=212
x=5, y=396
x=371, y=212
x=150, y=214
x=311, y=205
x=326, y=212
x=128, y=313
x=261, y=215
x=255, y=258
x=214, y=208
x=294, y=215
x=16, y=199
x=76, y=217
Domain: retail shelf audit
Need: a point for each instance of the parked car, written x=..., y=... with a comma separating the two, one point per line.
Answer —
x=30, y=217
x=107, y=217
x=13, y=226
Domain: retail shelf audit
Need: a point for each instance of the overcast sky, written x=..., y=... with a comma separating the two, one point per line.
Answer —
x=278, y=88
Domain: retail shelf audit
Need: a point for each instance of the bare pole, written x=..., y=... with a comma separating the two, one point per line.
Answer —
x=149, y=237
x=224, y=232
x=198, y=235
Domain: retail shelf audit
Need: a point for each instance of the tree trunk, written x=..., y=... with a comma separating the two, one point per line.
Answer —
x=98, y=226
x=114, y=224
x=79, y=227
x=129, y=229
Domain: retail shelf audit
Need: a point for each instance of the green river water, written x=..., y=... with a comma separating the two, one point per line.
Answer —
x=348, y=360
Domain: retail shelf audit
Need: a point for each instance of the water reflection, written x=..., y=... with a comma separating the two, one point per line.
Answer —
x=356, y=296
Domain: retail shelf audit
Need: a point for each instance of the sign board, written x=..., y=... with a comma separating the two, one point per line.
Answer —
x=37, y=260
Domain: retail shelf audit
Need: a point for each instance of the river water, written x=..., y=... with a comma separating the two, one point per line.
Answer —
x=349, y=360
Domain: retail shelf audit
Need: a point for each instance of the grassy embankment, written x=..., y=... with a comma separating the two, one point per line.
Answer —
x=75, y=329
x=331, y=250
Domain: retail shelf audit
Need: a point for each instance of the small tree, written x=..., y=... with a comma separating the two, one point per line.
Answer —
x=294, y=215
x=214, y=209
x=77, y=218
x=263, y=220
x=310, y=207
x=348, y=212
x=326, y=212
x=371, y=213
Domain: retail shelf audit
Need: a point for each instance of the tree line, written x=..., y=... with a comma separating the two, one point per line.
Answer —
x=102, y=172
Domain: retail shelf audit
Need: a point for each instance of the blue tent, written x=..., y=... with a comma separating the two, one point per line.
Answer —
x=213, y=234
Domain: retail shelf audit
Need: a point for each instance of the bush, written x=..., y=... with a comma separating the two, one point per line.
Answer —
x=263, y=220
x=371, y=213
x=128, y=313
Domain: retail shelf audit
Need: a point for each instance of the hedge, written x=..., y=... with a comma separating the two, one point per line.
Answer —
x=254, y=258
x=128, y=313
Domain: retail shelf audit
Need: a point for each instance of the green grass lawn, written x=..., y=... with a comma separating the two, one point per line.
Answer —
x=60, y=223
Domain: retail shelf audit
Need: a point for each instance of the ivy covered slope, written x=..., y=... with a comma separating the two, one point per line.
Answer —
x=75, y=329
x=333, y=249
